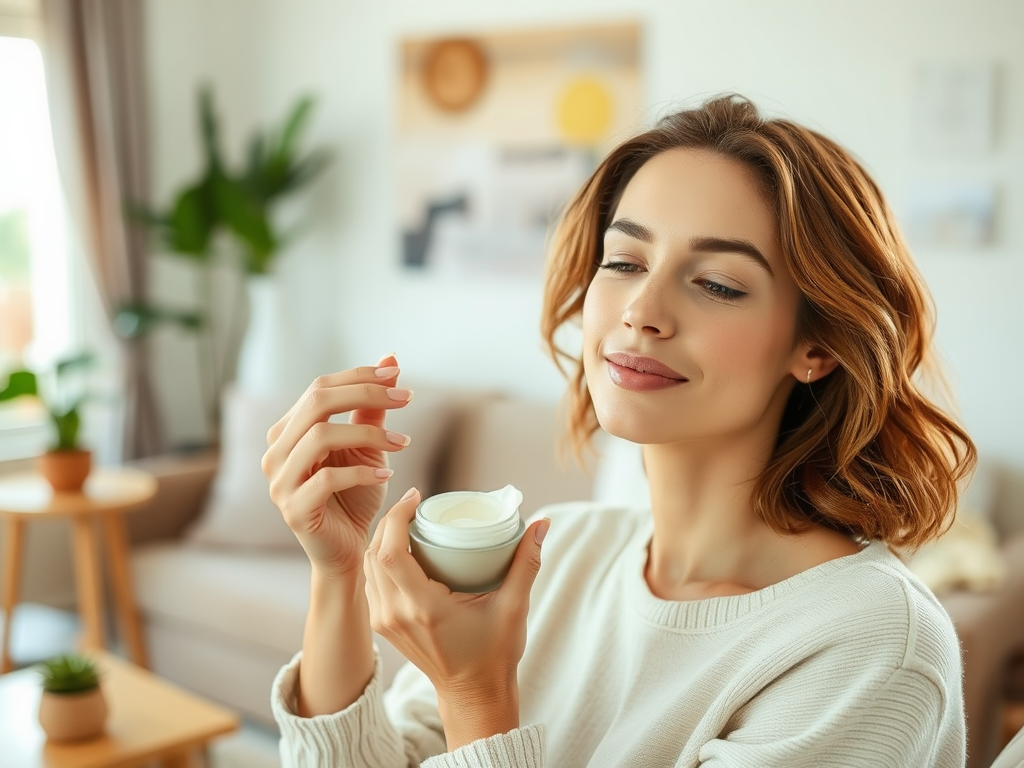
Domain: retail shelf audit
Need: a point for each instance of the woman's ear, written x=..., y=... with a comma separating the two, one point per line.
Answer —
x=813, y=364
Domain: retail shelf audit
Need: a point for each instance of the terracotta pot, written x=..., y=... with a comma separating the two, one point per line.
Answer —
x=73, y=716
x=65, y=471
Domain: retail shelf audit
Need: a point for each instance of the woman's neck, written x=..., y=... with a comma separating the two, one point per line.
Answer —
x=707, y=540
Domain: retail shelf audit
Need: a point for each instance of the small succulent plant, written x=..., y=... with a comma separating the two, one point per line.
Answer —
x=69, y=673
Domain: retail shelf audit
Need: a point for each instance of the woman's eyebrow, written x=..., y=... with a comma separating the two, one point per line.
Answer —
x=725, y=245
x=632, y=229
x=699, y=244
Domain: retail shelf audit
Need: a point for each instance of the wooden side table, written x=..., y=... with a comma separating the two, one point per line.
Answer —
x=107, y=495
x=149, y=719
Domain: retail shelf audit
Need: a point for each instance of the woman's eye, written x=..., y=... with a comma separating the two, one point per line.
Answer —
x=620, y=266
x=720, y=291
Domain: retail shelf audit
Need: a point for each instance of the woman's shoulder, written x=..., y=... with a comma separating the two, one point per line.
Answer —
x=875, y=591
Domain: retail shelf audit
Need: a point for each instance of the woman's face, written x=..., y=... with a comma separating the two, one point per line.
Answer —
x=689, y=325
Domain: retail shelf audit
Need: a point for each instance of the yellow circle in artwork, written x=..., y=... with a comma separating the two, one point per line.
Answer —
x=585, y=110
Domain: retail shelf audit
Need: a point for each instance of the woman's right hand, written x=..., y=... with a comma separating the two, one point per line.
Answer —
x=329, y=479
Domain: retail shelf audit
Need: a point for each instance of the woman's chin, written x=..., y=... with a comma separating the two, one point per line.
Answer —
x=632, y=428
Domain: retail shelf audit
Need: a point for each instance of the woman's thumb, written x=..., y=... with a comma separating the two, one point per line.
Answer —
x=526, y=562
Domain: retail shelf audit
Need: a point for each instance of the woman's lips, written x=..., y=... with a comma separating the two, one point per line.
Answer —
x=641, y=374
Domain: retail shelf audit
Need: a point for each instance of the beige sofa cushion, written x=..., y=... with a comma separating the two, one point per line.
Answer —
x=257, y=599
x=223, y=621
x=508, y=440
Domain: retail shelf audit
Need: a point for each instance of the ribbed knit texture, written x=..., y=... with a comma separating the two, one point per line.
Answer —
x=851, y=663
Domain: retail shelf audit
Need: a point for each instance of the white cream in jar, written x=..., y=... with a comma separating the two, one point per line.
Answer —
x=466, y=539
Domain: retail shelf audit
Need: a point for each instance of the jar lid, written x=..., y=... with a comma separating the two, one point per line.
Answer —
x=470, y=519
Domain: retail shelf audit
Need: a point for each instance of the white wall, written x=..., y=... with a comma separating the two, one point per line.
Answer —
x=843, y=68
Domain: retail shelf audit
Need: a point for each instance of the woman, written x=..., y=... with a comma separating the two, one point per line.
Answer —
x=752, y=318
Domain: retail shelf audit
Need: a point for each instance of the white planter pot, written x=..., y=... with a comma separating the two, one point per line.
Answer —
x=265, y=359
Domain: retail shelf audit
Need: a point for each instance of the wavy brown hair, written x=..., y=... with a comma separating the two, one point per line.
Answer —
x=861, y=450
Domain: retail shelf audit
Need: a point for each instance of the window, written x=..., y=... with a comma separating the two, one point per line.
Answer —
x=35, y=300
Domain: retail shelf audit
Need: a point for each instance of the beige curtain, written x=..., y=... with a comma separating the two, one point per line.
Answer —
x=95, y=73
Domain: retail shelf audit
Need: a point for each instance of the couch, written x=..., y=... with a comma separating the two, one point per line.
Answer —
x=223, y=601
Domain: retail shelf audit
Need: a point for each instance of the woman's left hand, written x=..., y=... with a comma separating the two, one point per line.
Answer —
x=469, y=646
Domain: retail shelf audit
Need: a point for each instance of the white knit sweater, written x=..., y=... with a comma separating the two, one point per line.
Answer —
x=850, y=663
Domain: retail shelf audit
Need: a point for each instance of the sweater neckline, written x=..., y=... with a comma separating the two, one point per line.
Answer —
x=710, y=612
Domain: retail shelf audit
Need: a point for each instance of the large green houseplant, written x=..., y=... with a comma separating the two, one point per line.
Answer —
x=62, y=392
x=240, y=201
x=226, y=206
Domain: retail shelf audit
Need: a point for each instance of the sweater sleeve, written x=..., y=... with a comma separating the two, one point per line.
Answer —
x=397, y=729
x=359, y=735
x=903, y=721
x=411, y=704
x=519, y=748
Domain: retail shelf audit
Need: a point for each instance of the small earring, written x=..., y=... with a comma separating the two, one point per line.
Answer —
x=809, y=372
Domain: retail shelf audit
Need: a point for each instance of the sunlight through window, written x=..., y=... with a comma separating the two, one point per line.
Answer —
x=35, y=306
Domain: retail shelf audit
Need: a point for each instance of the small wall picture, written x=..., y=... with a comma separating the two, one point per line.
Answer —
x=951, y=214
x=495, y=133
x=954, y=107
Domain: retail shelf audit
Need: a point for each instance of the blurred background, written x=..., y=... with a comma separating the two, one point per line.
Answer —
x=219, y=198
x=930, y=97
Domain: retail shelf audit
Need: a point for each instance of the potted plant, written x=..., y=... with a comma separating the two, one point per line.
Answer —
x=234, y=205
x=67, y=463
x=72, y=706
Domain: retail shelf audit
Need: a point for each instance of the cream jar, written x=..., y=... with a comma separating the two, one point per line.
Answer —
x=466, y=539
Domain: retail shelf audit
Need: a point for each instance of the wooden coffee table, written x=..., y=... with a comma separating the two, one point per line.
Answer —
x=150, y=720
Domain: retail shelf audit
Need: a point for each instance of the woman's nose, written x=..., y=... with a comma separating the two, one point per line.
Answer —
x=648, y=311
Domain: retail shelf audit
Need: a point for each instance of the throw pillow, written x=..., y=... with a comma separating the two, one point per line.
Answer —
x=239, y=511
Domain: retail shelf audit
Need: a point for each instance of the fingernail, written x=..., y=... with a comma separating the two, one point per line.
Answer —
x=383, y=474
x=398, y=438
x=542, y=530
x=400, y=394
x=409, y=494
x=386, y=372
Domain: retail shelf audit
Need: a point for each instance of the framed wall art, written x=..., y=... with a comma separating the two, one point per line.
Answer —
x=495, y=132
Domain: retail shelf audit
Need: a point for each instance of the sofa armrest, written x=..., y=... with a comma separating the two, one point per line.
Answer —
x=183, y=485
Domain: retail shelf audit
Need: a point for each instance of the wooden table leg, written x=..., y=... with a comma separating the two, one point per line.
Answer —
x=90, y=583
x=14, y=548
x=124, y=594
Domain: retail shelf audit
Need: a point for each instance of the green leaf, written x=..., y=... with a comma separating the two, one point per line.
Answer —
x=19, y=384
x=294, y=124
x=142, y=214
x=76, y=362
x=67, y=424
x=304, y=171
x=192, y=222
x=209, y=130
x=254, y=171
x=134, y=320
x=247, y=218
